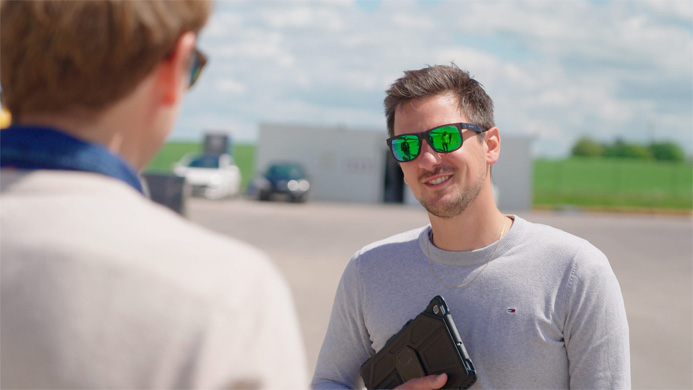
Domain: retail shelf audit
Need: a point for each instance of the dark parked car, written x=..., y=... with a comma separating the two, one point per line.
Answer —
x=284, y=179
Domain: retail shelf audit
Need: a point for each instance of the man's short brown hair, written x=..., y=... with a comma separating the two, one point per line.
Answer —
x=436, y=80
x=60, y=55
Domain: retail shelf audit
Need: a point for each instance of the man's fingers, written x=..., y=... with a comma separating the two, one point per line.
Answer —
x=425, y=383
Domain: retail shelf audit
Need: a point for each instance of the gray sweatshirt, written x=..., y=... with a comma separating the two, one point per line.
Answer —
x=546, y=313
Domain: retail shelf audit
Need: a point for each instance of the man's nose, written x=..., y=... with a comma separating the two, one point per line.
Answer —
x=429, y=158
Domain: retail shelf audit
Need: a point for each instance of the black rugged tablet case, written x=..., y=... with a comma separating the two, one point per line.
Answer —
x=427, y=345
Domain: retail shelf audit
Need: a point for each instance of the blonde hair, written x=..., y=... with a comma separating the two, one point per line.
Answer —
x=59, y=55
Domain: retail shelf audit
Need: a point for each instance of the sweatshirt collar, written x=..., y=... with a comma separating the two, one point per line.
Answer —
x=472, y=257
x=37, y=147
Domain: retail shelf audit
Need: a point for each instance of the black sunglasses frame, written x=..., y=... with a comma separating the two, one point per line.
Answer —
x=426, y=135
x=199, y=61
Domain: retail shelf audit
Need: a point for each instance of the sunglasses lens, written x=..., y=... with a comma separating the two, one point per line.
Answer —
x=195, y=74
x=199, y=61
x=406, y=147
x=445, y=139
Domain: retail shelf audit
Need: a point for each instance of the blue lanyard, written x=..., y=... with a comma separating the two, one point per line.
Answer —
x=33, y=147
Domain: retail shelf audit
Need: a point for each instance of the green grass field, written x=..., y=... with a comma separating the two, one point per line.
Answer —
x=596, y=182
x=582, y=182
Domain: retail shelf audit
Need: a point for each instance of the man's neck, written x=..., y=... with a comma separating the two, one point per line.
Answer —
x=86, y=126
x=478, y=226
x=120, y=128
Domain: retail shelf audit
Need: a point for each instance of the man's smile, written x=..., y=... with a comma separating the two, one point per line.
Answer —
x=438, y=180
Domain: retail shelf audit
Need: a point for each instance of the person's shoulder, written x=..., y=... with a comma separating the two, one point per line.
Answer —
x=549, y=235
x=559, y=243
x=220, y=269
x=106, y=219
x=398, y=241
x=393, y=252
x=191, y=242
x=395, y=248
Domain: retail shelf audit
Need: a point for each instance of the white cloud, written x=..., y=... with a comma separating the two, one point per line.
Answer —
x=310, y=16
x=681, y=10
x=402, y=20
x=299, y=17
x=558, y=68
x=232, y=86
x=468, y=58
x=222, y=24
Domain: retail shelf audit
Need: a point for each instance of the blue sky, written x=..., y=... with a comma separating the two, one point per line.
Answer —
x=556, y=70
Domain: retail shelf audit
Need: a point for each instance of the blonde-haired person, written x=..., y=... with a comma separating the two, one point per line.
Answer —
x=101, y=288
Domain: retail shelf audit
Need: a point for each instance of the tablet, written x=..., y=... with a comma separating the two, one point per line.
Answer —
x=427, y=345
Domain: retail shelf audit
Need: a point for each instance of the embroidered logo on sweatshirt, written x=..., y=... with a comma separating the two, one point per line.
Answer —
x=511, y=310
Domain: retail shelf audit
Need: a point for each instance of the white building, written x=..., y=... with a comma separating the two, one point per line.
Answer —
x=350, y=165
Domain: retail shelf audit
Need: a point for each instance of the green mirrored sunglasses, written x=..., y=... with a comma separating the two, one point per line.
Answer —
x=443, y=139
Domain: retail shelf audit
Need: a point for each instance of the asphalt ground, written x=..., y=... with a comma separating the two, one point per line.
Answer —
x=652, y=256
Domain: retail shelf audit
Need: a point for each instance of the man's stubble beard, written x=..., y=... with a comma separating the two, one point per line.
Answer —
x=456, y=206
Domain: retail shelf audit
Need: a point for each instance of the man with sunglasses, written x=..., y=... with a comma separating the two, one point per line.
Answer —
x=535, y=307
x=102, y=288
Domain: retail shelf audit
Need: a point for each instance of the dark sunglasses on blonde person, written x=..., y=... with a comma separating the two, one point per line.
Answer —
x=199, y=60
x=443, y=139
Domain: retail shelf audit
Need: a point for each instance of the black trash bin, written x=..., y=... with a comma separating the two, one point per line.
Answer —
x=166, y=189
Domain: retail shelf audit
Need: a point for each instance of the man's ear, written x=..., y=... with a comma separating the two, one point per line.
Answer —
x=173, y=73
x=493, y=145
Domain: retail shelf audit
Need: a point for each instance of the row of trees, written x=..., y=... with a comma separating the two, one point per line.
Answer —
x=661, y=151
